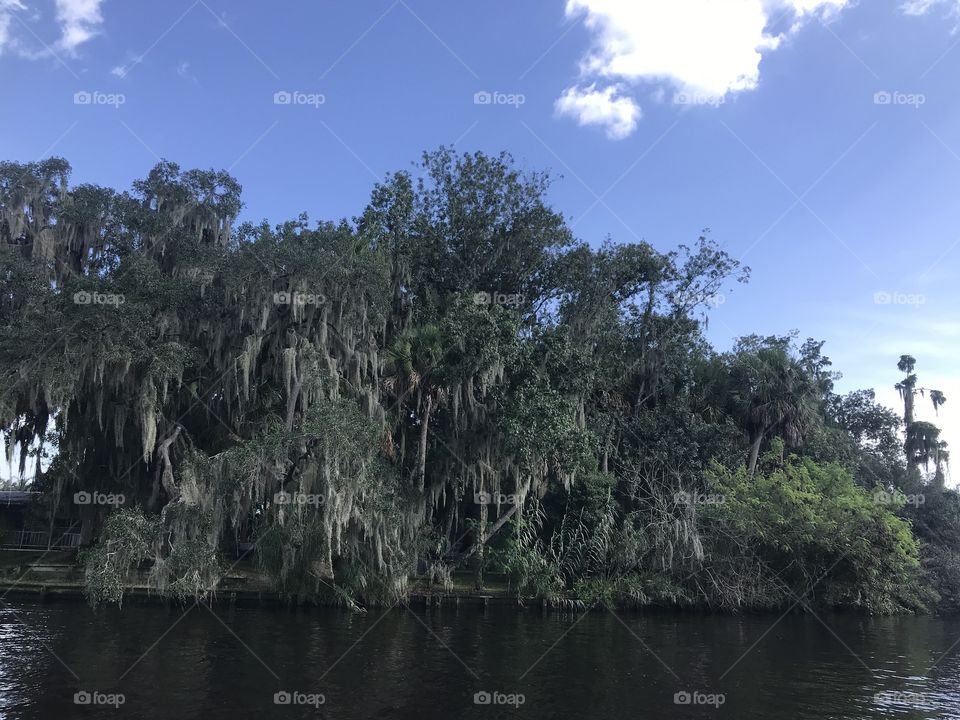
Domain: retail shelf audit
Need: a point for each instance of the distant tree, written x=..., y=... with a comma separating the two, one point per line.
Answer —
x=922, y=444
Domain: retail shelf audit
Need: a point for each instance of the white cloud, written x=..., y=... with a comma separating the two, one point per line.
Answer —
x=7, y=8
x=922, y=7
x=697, y=47
x=121, y=71
x=79, y=21
x=183, y=70
x=808, y=7
x=589, y=106
x=918, y=7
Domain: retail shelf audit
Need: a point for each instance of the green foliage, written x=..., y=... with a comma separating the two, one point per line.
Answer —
x=937, y=524
x=823, y=538
x=453, y=342
x=128, y=538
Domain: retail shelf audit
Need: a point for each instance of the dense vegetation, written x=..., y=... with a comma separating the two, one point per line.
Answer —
x=450, y=380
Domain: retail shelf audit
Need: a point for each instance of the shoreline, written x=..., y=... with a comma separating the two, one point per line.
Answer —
x=60, y=579
x=40, y=593
x=247, y=598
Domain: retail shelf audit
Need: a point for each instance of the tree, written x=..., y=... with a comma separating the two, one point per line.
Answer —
x=772, y=393
x=921, y=444
x=450, y=376
x=413, y=368
x=875, y=431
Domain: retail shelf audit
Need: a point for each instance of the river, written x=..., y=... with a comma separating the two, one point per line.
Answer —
x=62, y=660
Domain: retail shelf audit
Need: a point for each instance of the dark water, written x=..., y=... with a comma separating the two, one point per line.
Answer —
x=415, y=664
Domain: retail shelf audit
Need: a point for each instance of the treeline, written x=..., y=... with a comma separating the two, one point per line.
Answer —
x=448, y=381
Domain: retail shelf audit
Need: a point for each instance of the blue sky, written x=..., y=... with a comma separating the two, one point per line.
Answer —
x=759, y=119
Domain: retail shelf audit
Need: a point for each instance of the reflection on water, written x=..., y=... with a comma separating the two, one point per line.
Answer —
x=62, y=660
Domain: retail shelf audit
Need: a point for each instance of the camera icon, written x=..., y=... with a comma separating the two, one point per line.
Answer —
x=882, y=98
x=482, y=698
x=682, y=498
x=481, y=298
x=82, y=298
x=283, y=498
x=82, y=498
x=882, y=297
x=282, y=698
x=82, y=98
x=682, y=99
x=282, y=98
x=282, y=298
x=482, y=98
x=682, y=698
x=482, y=498
x=82, y=698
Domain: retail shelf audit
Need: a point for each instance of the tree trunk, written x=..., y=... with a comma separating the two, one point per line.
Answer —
x=939, y=479
x=485, y=538
x=88, y=525
x=166, y=473
x=480, y=546
x=754, y=454
x=422, y=456
x=292, y=403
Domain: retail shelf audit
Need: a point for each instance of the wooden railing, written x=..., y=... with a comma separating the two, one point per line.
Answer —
x=41, y=540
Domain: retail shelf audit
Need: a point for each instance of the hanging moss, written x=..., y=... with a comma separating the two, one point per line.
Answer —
x=209, y=370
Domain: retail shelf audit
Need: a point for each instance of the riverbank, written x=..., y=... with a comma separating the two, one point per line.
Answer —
x=141, y=595
x=48, y=577
x=42, y=577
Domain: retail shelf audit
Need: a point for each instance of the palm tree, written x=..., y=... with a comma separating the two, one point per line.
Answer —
x=921, y=444
x=937, y=398
x=907, y=387
x=413, y=369
x=772, y=394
